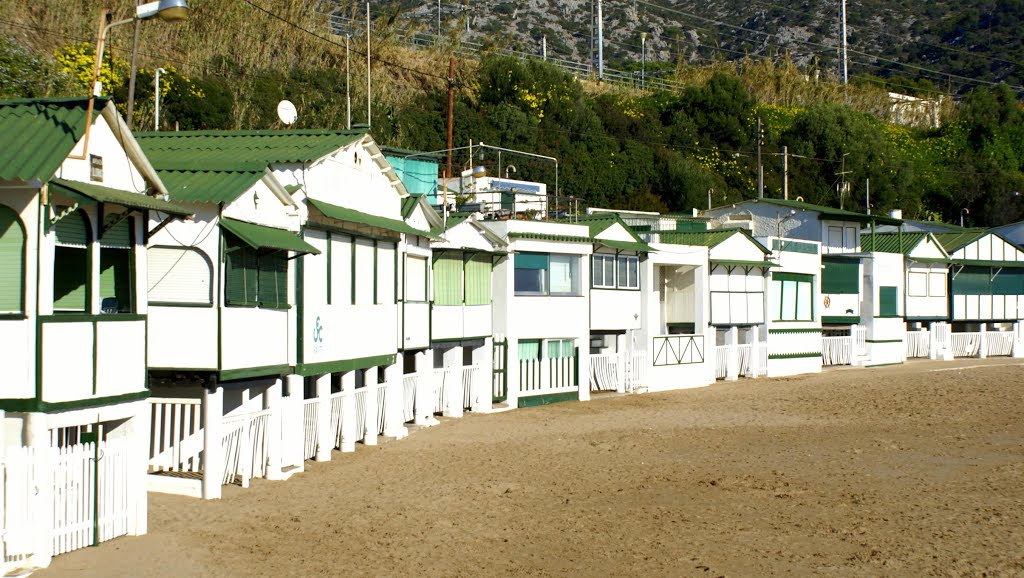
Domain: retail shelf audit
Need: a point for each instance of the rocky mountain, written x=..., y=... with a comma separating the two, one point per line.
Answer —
x=920, y=45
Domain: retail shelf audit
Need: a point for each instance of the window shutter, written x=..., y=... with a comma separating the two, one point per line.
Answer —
x=888, y=298
x=240, y=281
x=119, y=236
x=72, y=230
x=448, y=279
x=71, y=263
x=273, y=279
x=478, y=279
x=840, y=276
x=178, y=275
x=12, y=262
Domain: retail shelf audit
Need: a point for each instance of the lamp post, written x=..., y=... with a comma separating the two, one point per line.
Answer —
x=964, y=211
x=166, y=10
x=643, y=59
x=156, y=99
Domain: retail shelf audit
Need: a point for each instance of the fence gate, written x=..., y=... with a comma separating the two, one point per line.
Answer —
x=499, y=377
x=90, y=494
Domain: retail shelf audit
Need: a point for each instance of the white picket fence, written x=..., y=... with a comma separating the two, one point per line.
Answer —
x=245, y=446
x=605, y=373
x=721, y=361
x=547, y=376
x=750, y=361
x=176, y=435
x=837, y=350
x=410, y=382
x=998, y=343
x=310, y=427
x=966, y=344
x=746, y=366
x=917, y=343
x=636, y=370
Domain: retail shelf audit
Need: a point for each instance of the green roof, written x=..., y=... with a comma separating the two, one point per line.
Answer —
x=601, y=222
x=360, y=218
x=261, y=237
x=90, y=193
x=707, y=239
x=959, y=239
x=736, y=263
x=248, y=150
x=829, y=212
x=455, y=219
x=891, y=242
x=548, y=237
x=208, y=186
x=40, y=133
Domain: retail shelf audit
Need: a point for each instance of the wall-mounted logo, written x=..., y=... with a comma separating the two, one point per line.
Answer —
x=828, y=302
x=318, y=336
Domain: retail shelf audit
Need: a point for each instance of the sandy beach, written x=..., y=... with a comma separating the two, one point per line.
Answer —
x=906, y=470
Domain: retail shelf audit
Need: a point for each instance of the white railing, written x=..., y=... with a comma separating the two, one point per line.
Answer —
x=444, y=381
x=998, y=343
x=385, y=394
x=636, y=370
x=471, y=385
x=721, y=361
x=78, y=480
x=546, y=376
x=746, y=365
x=245, y=446
x=310, y=427
x=966, y=344
x=604, y=372
x=176, y=435
x=941, y=335
x=917, y=343
x=409, y=384
x=677, y=349
x=862, y=342
x=337, y=401
x=836, y=350
x=360, y=400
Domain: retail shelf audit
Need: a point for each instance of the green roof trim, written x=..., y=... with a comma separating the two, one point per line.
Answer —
x=549, y=237
x=208, y=186
x=352, y=216
x=891, y=242
x=90, y=193
x=707, y=239
x=601, y=222
x=791, y=246
x=734, y=263
x=262, y=237
x=951, y=242
x=246, y=150
x=625, y=245
x=830, y=213
x=983, y=263
x=40, y=134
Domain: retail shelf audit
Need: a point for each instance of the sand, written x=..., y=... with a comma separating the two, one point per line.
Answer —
x=905, y=471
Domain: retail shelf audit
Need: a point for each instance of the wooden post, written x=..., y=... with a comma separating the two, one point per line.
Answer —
x=983, y=345
x=137, y=434
x=620, y=365
x=371, y=387
x=292, y=425
x=1017, y=348
x=931, y=341
x=452, y=363
x=755, y=351
x=854, y=359
x=213, y=453
x=324, y=443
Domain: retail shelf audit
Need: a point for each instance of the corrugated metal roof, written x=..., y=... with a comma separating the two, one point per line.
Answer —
x=953, y=241
x=705, y=238
x=208, y=186
x=549, y=237
x=360, y=218
x=891, y=242
x=601, y=222
x=249, y=150
x=829, y=212
x=102, y=194
x=40, y=133
x=263, y=237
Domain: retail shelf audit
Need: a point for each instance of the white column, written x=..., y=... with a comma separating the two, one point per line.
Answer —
x=213, y=452
x=324, y=428
x=620, y=366
x=372, y=417
x=755, y=351
x=348, y=412
x=583, y=366
x=854, y=359
x=425, y=389
x=138, y=432
x=293, y=420
x=732, y=365
x=983, y=347
x=451, y=360
x=932, y=350
x=512, y=372
x=1017, y=350
x=272, y=402
x=394, y=400
x=483, y=358
x=37, y=436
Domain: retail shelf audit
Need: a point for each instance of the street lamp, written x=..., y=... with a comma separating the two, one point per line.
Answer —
x=156, y=99
x=643, y=58
x=166, y=10
x=964, y=211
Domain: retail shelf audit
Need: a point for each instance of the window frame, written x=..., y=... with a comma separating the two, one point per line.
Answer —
x=209, y=270
x=254, y=260
x=132, y=274
x=792, y=282
x=23, y=257
x=87, y=250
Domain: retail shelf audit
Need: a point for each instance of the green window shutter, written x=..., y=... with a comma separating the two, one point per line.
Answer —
x=478, y=279
x=972, y=281
x=273, y=280
x=71, y=263
x=840, y=276
x=12, y=262
x=119, y=236
x=529, y=349
x=240, y=282
x=888, y=301
x=116, y=278
x=448, y=279
x=531, y=261
x=1008, y=282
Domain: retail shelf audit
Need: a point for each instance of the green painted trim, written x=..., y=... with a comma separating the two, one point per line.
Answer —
x=888, y=317
x=220, y=292
x=173, y=304
x=395, y=294
x=794, y=247
x=329, y=267
x=352, y=277
x=456, y=339
x=375, y=280
x=536, y=400
x=246, y=373
x=883, y=341
x=840, y=319
x=86, y=318
x=14, y=317
x=794, y=355
x=42, y=216
x=785, y=331
x=799, y=277
x=300, y=300
x=95, y=357
x=34, y=405
x=325, y=367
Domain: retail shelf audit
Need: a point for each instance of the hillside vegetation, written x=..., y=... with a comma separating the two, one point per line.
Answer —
x=232, y=61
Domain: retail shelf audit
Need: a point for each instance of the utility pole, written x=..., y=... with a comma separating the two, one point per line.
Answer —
x=544, y=47
x=439, y=21
x=643, y=58
x=348, y=80
x=867, y=194
x=841, y=186
x=845, y=60
x=133, y=72
x=600, y=42
x=760, y=165
x=785, y=172
x=451, y=121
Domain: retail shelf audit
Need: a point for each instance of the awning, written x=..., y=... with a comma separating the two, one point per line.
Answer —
x=89, y=193
x=260, y=237
x=983, y=263
x=732, y=263
x=359, y=218
x=626, y=245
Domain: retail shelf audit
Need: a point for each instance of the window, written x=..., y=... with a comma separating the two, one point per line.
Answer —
x=544, y=274
x=917, y=284
x=340, y=265
x=629, y=272
x=179, y=275
x=888, y=301
x=737, y=295
x=363, y=282
x=12, y=262
x=255, y=277
x=529, y=349
x=478, y=279
x=793, y=297
x=604, y=271
x=448, y=282
x=116, y=268
x=835, y=239
x=385, y=272
x=533, y=349
x=937, y=283
x=415, y=278
x=560, y=348
x=71, y=262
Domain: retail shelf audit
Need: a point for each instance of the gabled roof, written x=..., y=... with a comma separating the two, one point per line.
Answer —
x=954, y=241
x=892, y=242
x=827, y=212
x=208, y=186
x=244, y=150
x=601, y=222
x=352, y=216
x=707, y=239
x=40, y=133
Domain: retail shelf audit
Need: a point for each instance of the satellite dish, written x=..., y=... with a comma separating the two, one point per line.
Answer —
x=286, y=112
